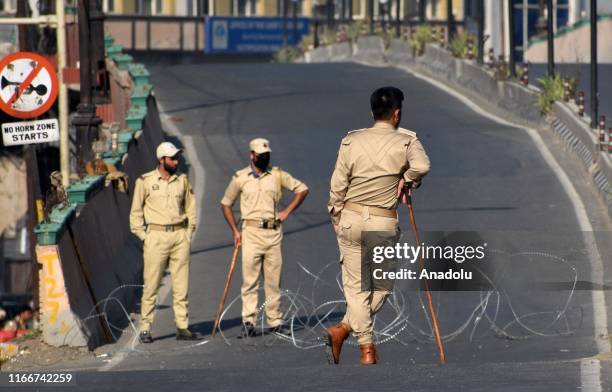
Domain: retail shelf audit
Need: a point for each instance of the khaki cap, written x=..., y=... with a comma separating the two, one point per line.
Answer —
x=167, y=149
x=260, y=145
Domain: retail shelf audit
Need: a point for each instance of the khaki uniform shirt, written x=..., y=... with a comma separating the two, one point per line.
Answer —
x=162, y=202
x=371, y=163
x=259, y=195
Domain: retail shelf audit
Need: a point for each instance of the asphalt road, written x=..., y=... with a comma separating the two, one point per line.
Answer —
x=528, y=333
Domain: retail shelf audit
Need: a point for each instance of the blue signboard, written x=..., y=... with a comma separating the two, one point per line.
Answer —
x=250, y=35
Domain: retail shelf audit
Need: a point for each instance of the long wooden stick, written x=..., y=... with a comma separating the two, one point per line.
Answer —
x=432, y=311
x=225, y=290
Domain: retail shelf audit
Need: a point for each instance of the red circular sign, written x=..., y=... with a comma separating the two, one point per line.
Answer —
x=28, y=85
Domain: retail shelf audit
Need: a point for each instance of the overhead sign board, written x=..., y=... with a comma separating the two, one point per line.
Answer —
x=250, y=34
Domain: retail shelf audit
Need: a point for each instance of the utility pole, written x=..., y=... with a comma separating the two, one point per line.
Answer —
x=63, y=93
x=594, y=84
x=85, y=121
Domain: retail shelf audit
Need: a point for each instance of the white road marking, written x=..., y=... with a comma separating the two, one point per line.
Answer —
x=590, y=375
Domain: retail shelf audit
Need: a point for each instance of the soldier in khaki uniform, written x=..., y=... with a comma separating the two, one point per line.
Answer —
x=163, y=215
x=372, y=167
x=260, y=189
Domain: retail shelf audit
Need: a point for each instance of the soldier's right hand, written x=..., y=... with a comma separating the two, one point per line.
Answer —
x=237, y=238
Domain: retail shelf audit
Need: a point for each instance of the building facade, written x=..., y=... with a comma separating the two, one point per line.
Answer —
x=341, y=9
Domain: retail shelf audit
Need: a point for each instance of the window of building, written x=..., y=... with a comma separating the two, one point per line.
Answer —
x=190, y=7
x=244, y=7
x=144, y=7
x=412, y=9
x=290, y=4
x=8, y=6
x=108, y=6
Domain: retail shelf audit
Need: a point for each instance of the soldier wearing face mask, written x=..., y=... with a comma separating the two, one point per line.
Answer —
x=260, y=189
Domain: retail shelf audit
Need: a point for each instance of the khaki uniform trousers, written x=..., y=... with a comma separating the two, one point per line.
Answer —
x=261, y=252
x=361, y=305
x=160, y=249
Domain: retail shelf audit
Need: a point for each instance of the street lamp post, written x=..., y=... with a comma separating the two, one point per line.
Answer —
x=550, y=37
x=481, y=26
x=422, y=5
x=85, y=119
x=285, y=38
x=295, y=22
x=594, y=86
x=371, y=15
x=398, y=27
x=511, y=62
x=96, y=21
x=449, y=19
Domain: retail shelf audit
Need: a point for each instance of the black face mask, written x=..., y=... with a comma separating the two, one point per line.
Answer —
x=262, y=161
x=170, y=169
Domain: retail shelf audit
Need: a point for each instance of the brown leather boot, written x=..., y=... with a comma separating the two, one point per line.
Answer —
x=368, y=354
x=336, y=335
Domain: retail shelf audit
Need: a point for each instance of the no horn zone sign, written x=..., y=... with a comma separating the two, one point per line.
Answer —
x=28, y=85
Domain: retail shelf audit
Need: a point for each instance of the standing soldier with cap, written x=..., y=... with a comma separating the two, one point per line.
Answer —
x=372, y=167
x=163, y=215
x=260, y=189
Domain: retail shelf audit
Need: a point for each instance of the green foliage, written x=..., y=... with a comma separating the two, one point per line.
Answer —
x=329, y=37
x=552, y=90
x=286, y=55
x=387, y=35
x=307, y=42
x=459, y=45
x=357, y=29
x=422, y=36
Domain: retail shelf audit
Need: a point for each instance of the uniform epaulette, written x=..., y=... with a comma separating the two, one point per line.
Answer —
x=355, y=130
x=407, y=132
x=347, y=139
x=240, y=171
x=147, y=174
